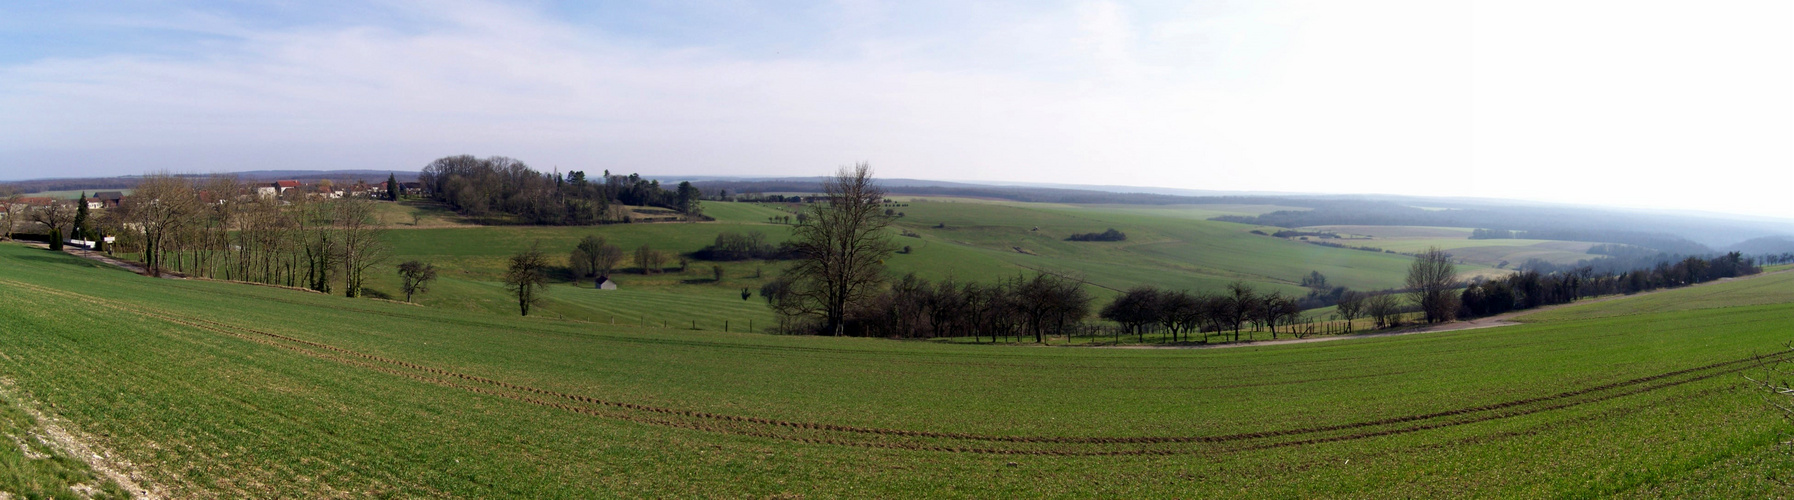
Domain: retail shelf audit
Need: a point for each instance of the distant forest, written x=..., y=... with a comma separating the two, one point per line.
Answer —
x=541, y=198
x=1022, y=194
x=131, y=181
x=498, y=185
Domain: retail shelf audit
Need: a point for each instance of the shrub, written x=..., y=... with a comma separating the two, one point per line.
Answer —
x=1110, y=235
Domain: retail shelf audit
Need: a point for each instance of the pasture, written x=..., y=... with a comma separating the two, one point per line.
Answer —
x=225, y=390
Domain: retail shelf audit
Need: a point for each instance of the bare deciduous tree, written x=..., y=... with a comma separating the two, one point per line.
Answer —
x=1431, y=279
x=1351, y=306
x=58, y=215
x=317, y=234
x=10, y=211
x=650, y=260
x=1383, y=309
x=1241, y=302
x=415, y=278
x=160, y=208
x=527, y=277
x=593, y=257
x=361, y=244
x=843, y=246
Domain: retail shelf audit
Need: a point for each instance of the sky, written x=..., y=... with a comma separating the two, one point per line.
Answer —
x=1642, y=104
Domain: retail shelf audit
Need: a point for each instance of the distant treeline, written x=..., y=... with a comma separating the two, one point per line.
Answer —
x=912, y=307
x=1024, y=194
x=1619, y=264
x=1781, y=258
x=1618, y=250
x=130, y=181
x=499, y=185
x=1110, y=235
x=732, y=246
x=1530, y=288
x=1182, y=313
x=1290, y=233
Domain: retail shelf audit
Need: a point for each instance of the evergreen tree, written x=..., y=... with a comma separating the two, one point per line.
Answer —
x=81, y=217
x=392, y=187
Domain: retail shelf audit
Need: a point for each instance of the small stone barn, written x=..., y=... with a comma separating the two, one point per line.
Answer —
x=605, y=283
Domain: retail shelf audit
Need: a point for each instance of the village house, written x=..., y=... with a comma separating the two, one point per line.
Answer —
x=107, y=199
x=31, y=203
x=276, y=188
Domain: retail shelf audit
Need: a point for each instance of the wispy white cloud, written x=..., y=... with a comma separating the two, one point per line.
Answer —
x=1410, y=97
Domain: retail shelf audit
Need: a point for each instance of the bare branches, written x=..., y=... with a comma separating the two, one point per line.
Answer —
x=161, y=207
x=362, y=247
x=527, y=277
x=416, y=277
x=843, y=246
x=1431, y=279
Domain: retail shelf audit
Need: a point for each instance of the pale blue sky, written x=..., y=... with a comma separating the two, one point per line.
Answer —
x=1642, y=104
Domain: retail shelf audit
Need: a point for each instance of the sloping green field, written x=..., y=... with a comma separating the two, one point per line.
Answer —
x=224, y=390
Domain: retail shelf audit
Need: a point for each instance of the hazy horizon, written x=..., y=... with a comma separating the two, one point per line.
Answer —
x=1601, y=103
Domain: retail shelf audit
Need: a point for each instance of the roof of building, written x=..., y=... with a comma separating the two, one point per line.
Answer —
x=109, y=195
x=286, y=184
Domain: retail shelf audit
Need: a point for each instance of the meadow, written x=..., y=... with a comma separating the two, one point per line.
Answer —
x=226, y=390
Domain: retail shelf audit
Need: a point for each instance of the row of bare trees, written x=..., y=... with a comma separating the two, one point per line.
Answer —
x=1183, y=313
x=219, y=227
x=1035, y=305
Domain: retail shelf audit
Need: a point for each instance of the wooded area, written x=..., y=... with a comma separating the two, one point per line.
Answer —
x=498, y=185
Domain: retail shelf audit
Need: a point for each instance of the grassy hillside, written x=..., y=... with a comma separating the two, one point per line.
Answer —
x=216, y=389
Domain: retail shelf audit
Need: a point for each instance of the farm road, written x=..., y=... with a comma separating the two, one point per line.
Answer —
x=1505, y=319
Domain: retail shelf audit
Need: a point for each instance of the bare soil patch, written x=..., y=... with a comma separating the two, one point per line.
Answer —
x=80, y=447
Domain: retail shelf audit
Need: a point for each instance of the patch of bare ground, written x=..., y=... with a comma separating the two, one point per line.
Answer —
x=81, y=447
x=125, y=264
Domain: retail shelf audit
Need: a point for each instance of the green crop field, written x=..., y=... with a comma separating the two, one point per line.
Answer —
x=223, y=390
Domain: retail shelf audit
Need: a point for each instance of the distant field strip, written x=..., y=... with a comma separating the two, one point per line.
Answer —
x=873, y=437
